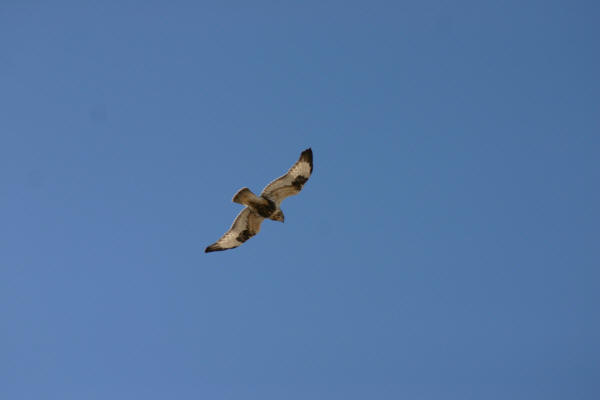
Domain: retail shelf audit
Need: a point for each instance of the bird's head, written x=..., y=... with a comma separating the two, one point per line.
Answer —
x=278, y=216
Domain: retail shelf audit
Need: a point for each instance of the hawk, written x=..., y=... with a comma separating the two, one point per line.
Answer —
x=247, y=223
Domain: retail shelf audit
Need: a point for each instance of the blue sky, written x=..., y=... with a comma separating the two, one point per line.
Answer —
x=446, y=246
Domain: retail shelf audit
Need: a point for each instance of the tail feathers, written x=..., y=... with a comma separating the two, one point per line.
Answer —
x=245, y=196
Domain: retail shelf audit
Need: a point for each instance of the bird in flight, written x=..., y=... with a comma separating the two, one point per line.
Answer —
x=247, y=223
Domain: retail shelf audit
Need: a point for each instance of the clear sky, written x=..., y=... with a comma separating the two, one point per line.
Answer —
x=447, y=245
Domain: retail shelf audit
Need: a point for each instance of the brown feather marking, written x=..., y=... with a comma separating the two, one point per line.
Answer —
x=244, y=235
x=299, y=182
x=265, y=210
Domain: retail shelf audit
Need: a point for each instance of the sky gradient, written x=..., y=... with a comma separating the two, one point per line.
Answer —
x=445, y=247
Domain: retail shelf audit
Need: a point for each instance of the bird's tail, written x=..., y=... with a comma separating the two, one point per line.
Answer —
x=246, y=197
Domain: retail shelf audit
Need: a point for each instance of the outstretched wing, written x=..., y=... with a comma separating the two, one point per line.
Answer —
x=245, y=225
x=291, y=183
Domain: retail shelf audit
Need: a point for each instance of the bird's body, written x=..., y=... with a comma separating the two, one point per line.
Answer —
x=261, y=205
x=267, y=205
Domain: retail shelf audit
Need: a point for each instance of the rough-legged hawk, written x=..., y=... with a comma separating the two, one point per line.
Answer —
x=247, y=223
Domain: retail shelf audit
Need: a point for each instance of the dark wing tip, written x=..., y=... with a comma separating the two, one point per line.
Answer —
x=307, y=156
x=213, y=247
